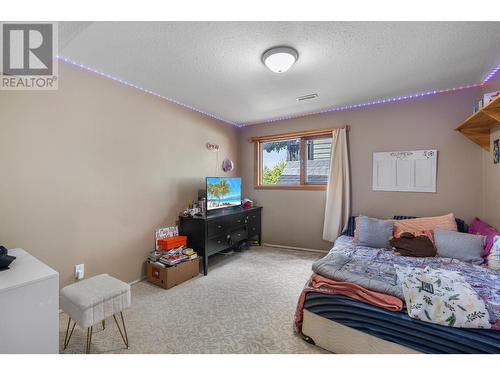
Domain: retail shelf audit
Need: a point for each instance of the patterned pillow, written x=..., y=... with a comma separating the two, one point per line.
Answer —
x=494, y=255
x=442, y=297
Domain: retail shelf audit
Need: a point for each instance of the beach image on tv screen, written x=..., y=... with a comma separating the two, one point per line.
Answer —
x=223, y=192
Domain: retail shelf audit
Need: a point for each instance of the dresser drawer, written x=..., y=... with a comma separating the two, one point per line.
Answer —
x=217, y=228
x=238, y=235
x=253, y=229
x=254, y=219
x=239, y=220
x=217, y=244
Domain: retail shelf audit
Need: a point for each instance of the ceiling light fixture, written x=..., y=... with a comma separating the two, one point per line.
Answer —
x=280, y=59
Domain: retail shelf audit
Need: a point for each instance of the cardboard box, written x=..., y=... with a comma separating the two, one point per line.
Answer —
x=170, y=243
x=169, y=277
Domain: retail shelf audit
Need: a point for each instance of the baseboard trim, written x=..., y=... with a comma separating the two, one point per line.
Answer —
x=296, y=248
x=137, y=281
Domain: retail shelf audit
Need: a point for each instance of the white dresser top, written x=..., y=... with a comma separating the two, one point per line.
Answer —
x=26, y=269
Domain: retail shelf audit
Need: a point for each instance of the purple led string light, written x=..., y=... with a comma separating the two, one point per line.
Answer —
x=491, y=74
x=87, y=68
x=371, y=103
x=282, y=118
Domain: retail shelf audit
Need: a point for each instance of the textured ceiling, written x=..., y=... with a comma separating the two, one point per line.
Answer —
x=216, y=67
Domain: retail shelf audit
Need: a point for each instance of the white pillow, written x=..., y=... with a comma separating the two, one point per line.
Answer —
x=494, y=255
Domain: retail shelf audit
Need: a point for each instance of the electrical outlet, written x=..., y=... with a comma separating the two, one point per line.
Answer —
x=79, y=271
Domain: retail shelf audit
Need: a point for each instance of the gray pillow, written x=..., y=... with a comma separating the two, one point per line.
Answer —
x=374, y=232
x=462, y=246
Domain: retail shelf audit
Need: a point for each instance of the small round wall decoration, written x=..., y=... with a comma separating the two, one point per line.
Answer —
x=227, y=165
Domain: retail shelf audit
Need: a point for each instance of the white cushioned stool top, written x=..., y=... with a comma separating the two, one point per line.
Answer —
x=92, y=300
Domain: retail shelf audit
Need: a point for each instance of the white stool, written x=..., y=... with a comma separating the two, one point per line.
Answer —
x=91, y=301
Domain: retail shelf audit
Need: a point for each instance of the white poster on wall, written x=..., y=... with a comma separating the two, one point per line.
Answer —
x=405, y=171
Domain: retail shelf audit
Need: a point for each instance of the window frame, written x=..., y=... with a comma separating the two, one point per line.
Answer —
x=303, y=137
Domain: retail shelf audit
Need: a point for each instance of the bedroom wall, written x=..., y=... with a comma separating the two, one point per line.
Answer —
x=491, y=171
x=88, y=172
x=295, y=218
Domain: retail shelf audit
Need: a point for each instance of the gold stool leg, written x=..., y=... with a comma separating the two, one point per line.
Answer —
x=124, y=337
x=103, y=325
x=89, y=339
x=66, y=338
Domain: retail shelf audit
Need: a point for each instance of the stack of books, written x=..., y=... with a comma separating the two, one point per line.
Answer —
x=190, y=253
x=488, y=97
x=172, y=257
x=170, y=248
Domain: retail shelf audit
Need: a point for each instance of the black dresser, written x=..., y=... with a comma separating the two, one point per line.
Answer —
x=220, y=229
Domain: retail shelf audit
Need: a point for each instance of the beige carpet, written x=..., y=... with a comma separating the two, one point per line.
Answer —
x=246, y=304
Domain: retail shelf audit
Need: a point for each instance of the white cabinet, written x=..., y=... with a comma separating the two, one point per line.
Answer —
x=29, y=306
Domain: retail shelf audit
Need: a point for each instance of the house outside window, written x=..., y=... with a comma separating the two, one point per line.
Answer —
x=293, y=161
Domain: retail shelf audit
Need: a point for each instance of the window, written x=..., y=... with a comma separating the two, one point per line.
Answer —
x=293, y=160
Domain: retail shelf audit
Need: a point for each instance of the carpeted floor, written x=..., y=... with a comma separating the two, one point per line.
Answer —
x=246, y=304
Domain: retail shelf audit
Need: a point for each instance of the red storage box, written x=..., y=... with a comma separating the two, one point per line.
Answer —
x=169, y=243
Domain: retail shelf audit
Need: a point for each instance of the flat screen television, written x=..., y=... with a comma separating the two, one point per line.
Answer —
x=223, y=192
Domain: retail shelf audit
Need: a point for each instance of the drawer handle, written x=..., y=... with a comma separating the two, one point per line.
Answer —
x=219, y=226
x=239, y=234
x=253, y=217
x=253, y=228
x=239, y=221
x=219, y=241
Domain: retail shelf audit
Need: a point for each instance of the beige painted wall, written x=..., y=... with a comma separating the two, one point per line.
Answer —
x=89, y=171
x=491, y=172
x=295, y=218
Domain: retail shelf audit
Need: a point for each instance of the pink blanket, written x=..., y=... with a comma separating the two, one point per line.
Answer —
x=320, y=284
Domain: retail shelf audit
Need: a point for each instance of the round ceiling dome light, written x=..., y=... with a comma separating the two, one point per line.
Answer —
x=280, y=59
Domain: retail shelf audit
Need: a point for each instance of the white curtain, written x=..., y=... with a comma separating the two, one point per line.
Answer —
x=338, y=191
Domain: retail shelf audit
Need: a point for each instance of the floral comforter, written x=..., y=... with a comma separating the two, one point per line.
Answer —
x=374, y=269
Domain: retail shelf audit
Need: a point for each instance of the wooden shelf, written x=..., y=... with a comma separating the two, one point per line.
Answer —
x=477, y=127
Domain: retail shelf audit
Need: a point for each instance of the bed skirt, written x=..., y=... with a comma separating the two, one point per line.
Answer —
x=340, y=339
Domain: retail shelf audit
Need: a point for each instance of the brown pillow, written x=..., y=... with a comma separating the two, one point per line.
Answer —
x=409, y=245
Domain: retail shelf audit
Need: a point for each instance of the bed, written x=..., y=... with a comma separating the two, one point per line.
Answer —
x=342, y=324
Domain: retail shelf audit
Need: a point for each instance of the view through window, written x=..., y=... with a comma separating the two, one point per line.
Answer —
x=301, y=161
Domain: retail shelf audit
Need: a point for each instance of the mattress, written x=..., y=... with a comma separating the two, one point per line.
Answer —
x=399, y=328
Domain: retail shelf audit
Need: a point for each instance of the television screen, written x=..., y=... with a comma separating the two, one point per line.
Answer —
x=223, y=192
